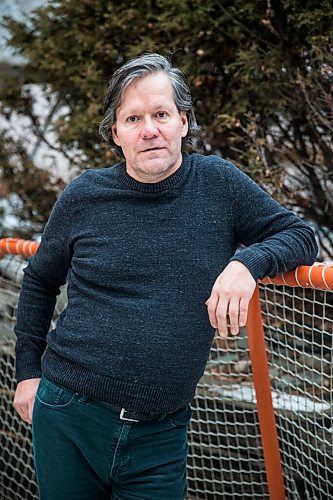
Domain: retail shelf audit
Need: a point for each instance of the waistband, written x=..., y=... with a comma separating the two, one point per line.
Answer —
x=134, y=416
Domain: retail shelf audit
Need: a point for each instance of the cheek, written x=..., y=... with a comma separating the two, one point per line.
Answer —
x=178, y=136
x=175, y=135
x=125, y=141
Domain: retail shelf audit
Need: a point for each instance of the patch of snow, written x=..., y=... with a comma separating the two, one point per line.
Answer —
x=290, y=402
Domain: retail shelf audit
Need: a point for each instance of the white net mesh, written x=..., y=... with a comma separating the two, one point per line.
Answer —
x=17, y=478
x=16, y=463
x=299, y=331
x=225, y=455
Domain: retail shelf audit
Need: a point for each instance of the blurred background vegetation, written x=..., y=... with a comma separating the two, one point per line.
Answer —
x=261, y=74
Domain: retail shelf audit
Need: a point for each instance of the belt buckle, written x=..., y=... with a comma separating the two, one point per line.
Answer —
x=122, y=416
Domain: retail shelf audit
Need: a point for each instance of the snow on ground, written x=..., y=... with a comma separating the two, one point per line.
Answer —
x=281, y=401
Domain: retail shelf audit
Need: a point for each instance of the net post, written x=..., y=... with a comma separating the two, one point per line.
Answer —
x=262, y=386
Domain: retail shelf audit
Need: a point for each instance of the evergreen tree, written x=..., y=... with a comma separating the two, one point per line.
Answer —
x=261, y=75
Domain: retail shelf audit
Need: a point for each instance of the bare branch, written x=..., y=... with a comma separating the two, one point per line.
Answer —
x=315, y=113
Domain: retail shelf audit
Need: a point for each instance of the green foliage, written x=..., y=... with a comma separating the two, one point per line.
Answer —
x=21, y=176
x=258, y=71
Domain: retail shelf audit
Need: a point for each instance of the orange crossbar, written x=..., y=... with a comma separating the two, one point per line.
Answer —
x=17, y=246
x=316, y=276
x=270, y=442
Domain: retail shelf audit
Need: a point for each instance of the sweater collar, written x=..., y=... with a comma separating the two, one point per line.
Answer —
x=156, y=187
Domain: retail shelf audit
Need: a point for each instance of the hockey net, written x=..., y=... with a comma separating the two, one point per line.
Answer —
x=226, y=455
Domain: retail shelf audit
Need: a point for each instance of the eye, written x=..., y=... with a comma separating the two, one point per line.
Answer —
x=132, y=119
x=161, y=114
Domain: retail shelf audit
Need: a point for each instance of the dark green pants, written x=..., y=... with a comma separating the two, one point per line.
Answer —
x=83, y=451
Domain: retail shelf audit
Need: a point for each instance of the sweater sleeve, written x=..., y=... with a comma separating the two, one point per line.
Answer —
x=45, y=274
x=276, y=239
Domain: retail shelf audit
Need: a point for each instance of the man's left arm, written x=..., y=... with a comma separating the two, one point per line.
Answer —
x=276, y=240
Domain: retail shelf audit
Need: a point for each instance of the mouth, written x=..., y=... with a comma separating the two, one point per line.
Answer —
x=148, y=150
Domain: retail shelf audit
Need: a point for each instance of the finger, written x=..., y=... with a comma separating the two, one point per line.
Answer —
x=211, y=304
x=221, y=315
x=18, y=408
x=21, y=412
x=25, y=417
x=233, y=313
x=243, y=310
x=29, y=415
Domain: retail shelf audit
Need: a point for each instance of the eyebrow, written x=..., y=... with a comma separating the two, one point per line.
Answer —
x=135, y=111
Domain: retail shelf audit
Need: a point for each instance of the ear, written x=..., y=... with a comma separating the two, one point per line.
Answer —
x=114, y=134
x=184, y=123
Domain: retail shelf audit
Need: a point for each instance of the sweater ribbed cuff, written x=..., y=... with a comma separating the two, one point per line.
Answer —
x=256, y=262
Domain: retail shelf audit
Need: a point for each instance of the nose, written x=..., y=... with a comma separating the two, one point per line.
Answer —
x=149, y=129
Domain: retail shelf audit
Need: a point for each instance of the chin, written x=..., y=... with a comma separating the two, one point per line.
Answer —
x=156, y=166
x=153, y=168
x=160, y=170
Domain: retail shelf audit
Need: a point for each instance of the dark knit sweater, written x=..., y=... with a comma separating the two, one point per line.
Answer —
x=140, y=261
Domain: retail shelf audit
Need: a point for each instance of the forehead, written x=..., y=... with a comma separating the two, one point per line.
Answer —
x=148, y=90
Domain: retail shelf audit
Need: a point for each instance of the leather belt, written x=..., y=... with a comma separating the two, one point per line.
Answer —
x=133, y=416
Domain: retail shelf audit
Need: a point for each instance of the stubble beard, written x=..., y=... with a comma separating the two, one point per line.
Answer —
x=163, y=168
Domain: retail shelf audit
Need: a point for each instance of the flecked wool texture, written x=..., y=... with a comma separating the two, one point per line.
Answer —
x=140, y=260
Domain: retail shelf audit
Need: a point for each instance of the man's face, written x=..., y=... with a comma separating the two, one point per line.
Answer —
x=149, y=129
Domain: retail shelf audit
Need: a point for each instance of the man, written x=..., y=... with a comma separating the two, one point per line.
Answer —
x=148, y=250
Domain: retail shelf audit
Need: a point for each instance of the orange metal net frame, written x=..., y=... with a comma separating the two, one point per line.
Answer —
x=206, y=481
x=318, y=276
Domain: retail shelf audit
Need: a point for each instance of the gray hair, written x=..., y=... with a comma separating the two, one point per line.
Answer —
x=139, y=68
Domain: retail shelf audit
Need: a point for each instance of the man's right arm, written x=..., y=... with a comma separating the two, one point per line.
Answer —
x=43, y=277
